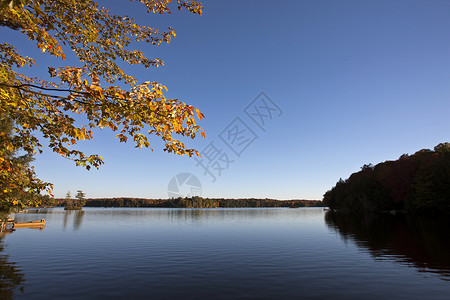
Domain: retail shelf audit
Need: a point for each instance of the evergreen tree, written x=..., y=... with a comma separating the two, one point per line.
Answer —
x=80, y=196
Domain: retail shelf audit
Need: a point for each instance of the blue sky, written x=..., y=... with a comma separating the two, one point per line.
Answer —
x=357, y=81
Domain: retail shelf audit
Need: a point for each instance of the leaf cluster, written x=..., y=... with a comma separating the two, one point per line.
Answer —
x=100, y=40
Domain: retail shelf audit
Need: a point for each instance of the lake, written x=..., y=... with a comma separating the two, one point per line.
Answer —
x=267, y=253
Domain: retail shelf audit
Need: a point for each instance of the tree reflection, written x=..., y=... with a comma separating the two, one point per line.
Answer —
x=420, y=242
x=77, y=218
x=11, y=277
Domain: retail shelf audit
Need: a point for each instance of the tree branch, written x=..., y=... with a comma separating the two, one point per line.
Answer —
x=21, y=87
x=41, y=88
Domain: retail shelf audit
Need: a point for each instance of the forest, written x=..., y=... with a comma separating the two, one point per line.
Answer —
x=418, y=183
x=192, y=202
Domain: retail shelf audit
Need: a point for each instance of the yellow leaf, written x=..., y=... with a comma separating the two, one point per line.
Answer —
x=95, y=88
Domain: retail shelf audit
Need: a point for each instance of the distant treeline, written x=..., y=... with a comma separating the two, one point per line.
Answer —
x=418, y=183
x=195, y=202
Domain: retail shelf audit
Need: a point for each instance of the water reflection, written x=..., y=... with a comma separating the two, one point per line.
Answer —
x=218, y=215
x=11, y=277
x=77, y=216
x=419, y=242
x=188, y=215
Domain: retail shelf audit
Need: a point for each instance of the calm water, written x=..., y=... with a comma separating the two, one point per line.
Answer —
x=224, y=254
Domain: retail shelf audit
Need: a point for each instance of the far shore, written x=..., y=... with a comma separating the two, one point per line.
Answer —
x=191, y=202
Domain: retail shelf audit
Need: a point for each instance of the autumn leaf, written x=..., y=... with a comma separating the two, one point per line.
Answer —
x=52, y=71
x=95, y=80
x=199, y=114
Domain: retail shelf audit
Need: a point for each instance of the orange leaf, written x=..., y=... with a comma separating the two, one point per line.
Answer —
x=199, y=114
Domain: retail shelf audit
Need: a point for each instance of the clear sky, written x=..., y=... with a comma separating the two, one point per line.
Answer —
x=356, y=82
